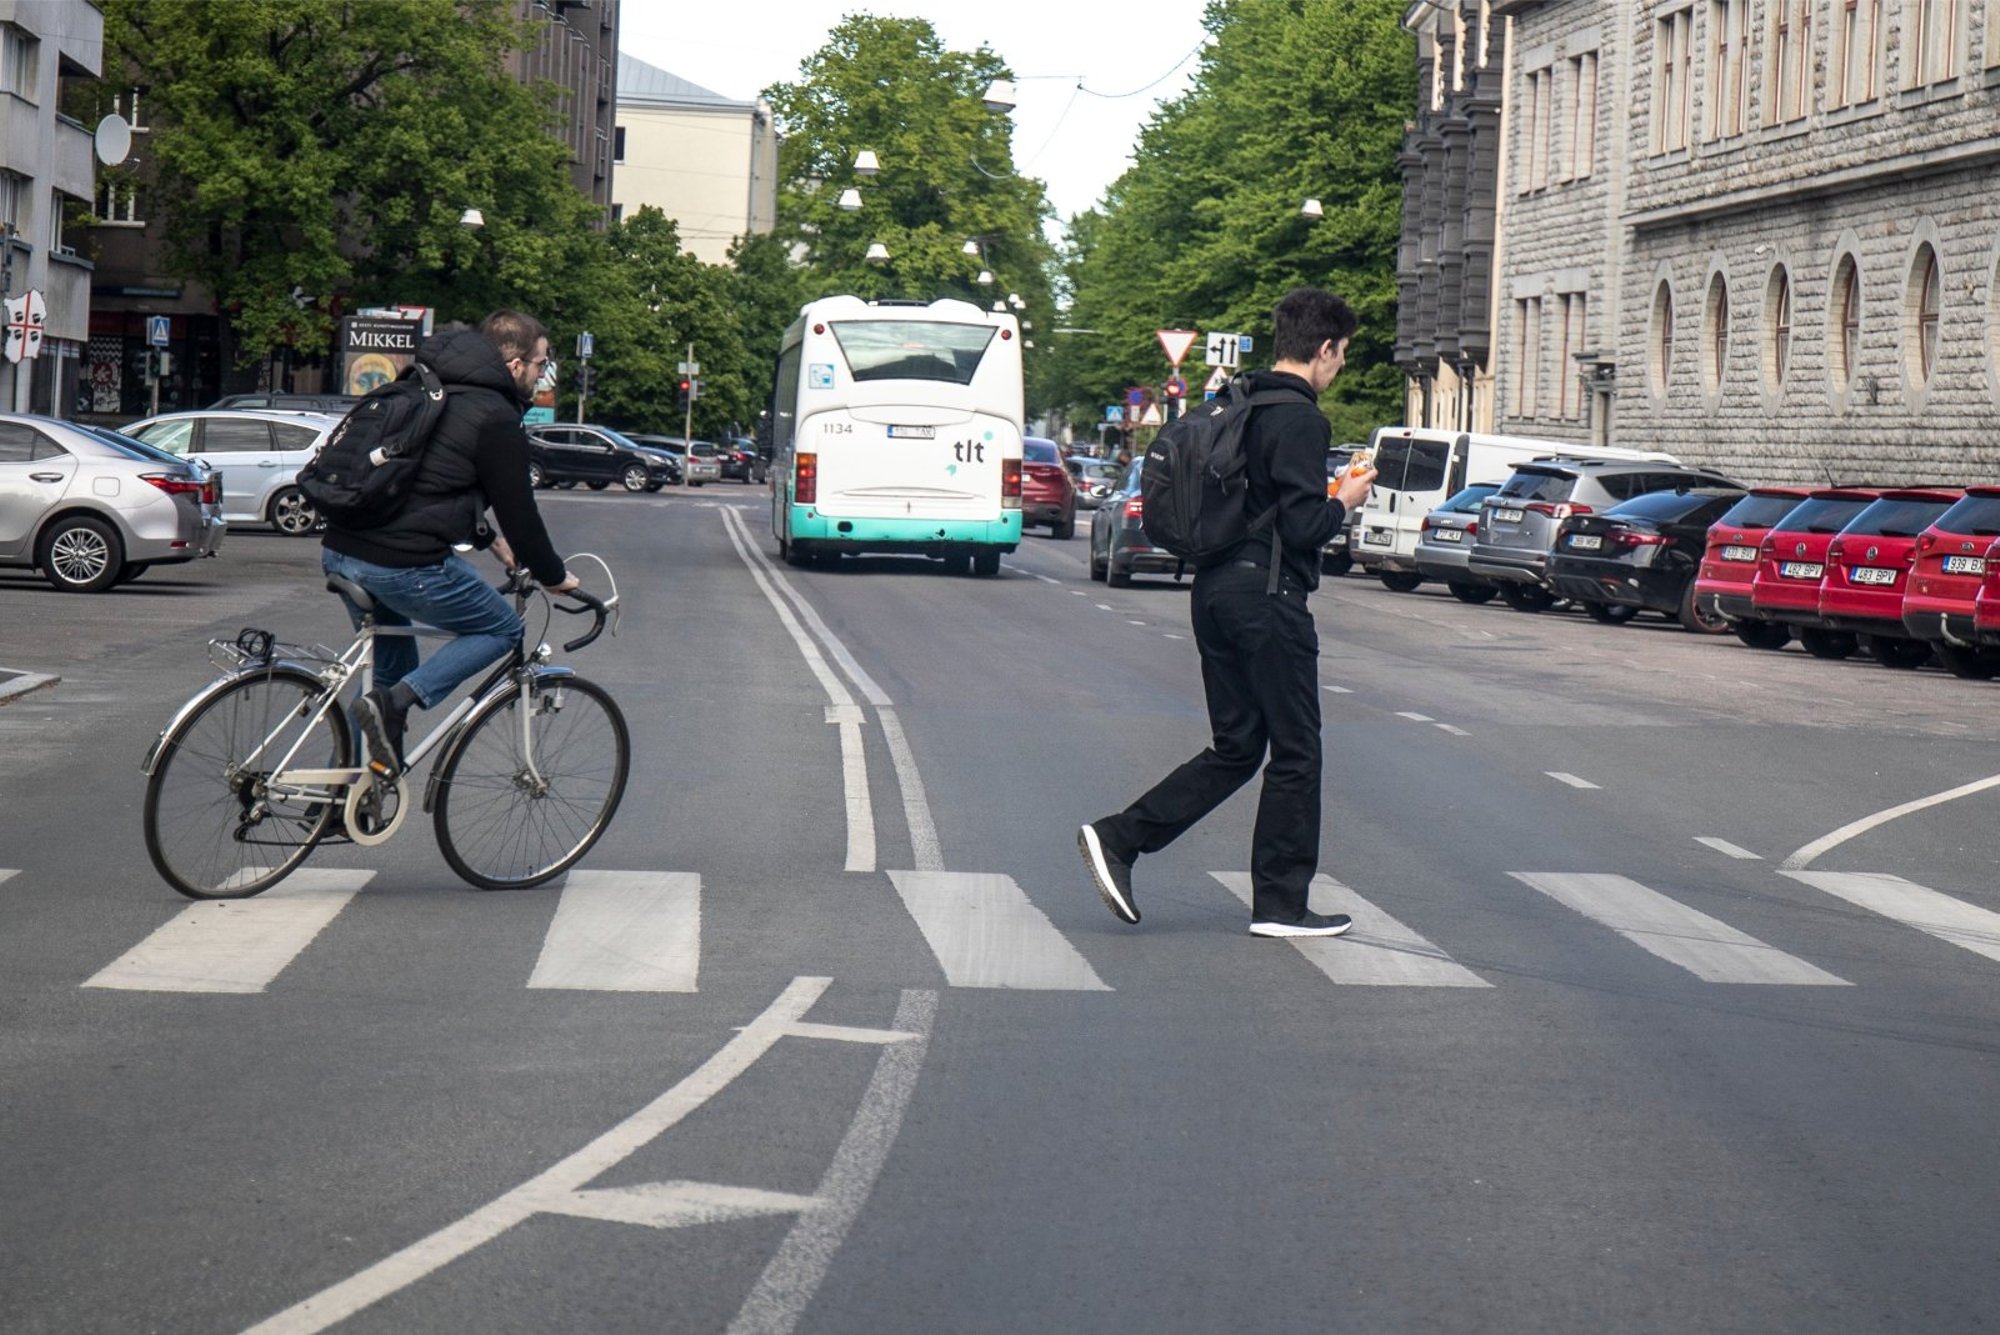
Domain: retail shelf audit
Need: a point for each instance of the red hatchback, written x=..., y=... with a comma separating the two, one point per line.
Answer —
x=1868, y=569
x=1722, y=584
x=1951, y=562
x=1048, y=495
x=1792, y=558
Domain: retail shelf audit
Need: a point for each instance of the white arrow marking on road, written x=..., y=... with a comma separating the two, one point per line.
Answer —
x=986, y=933
x=1929, y=911
x=1378, y=952
x=1706, y=947
x=623, y=931
x=235, y=945
x=1805, y=856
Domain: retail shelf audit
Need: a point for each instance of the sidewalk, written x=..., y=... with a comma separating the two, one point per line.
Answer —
x=15, y=683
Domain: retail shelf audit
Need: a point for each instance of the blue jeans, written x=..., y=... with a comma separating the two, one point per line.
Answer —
x=450, y=596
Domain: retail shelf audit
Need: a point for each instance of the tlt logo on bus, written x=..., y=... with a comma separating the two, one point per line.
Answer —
x=969, y=451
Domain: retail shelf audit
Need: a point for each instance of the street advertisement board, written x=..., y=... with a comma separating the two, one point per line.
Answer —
x=374, y=351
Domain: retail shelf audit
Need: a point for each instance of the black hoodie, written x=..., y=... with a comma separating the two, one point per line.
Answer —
x=478, y=458
x=1285, y=446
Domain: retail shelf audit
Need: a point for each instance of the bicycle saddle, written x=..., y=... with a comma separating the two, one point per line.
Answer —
x=351, y=591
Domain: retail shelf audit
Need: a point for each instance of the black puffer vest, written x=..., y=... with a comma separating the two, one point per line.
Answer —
x=445, y=504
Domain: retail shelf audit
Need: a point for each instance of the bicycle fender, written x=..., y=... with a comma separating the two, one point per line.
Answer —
x=295, y=671
x=479, y=711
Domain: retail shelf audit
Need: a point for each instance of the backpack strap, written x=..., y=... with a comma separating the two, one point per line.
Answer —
x=1269, y=519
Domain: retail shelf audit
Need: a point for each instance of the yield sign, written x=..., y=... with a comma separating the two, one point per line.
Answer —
x=1177, y=342
x=1152, y=417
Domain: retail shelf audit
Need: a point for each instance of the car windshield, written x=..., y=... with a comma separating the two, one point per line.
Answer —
x=1535, y=485
x=1467, y=502
x=1101, y=472
x=1758, y=511
x=1891, y=517
x=705, y=449
x=1040, y=451
x=1668, y=506
x=1132, y=475
x=1825, y=514
x=1975, y=516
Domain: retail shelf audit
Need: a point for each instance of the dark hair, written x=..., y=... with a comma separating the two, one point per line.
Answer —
x=1306, y=317
x=513, y=333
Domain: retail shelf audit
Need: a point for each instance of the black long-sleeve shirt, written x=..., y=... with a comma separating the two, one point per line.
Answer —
x=502, y=459
x=1286, y=446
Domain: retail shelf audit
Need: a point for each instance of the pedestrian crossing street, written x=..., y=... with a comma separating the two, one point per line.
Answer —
x=641, y=931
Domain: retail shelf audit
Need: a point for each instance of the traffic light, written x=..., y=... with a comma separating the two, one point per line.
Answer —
x=687, y=390
x=694, y=388
x=585, y=379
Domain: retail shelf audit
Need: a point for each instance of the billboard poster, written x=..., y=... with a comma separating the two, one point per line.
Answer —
x=375, y=351
x=544, y=409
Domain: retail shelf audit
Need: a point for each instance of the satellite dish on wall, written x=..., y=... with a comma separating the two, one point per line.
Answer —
x=113, y=139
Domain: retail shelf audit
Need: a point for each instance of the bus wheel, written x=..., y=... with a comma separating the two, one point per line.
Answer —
x=957, y=563
x=986, y=564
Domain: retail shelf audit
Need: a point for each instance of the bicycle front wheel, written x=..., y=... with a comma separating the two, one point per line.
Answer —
x=216, y=826
x=531, y=783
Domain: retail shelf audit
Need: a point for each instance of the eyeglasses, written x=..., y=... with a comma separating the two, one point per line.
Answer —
x=536, y=364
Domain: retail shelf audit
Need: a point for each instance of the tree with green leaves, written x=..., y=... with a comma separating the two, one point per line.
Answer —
x=330, y=148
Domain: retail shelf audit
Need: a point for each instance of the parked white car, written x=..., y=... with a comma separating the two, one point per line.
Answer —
x=257, y=453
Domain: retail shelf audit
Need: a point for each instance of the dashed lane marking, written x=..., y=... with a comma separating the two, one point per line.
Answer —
x=1725, y=847
x=1415, y=718
x=1454, y=731
x=1569, y=779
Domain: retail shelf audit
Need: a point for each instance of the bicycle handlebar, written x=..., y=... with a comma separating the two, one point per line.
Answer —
x=520, y=583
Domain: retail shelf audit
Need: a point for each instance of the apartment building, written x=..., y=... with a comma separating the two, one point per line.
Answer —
x=707, y=161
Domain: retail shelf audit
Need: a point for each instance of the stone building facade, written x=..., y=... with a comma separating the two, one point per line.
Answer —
x=1781, y=255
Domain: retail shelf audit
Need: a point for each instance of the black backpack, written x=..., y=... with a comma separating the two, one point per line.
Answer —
x=1195, y=482
x=362, y=476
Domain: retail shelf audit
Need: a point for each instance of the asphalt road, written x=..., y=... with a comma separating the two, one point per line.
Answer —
x=1651, y=1021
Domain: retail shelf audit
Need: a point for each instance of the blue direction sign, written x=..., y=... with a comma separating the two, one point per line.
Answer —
x=156, y=330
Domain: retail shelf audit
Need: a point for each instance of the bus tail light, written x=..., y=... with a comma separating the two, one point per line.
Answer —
x=805, y=480
x=1010, y=484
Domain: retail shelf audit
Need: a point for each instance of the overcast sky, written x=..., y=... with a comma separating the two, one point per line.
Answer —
x=1078, y=142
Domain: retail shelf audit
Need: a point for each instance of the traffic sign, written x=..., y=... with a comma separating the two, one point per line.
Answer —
x=1176, y=342
x=1114, y=412
x=1216, y=380
x=1152, y=417
x=584, y=344
x=1226, y=350
x=156, y=330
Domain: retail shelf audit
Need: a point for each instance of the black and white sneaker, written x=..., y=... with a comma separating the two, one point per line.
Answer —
x=382, y=725
x=1112, y=875
x=1308, y=924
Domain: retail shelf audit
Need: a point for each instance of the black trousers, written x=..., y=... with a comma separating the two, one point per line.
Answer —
x=1260, y=670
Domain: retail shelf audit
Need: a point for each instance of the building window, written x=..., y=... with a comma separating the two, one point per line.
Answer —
x=131, y=105
x=13, y=201
x=1728, y=29
x=18, y=52
x=1857, y=51
x=1582, y=90
x=1777, y=328
x=1540, y=128
x=1715, y=335
x=1528, y=342
x=1845, y=312
x=1789, y=72
x=1569, y=391
x=118, y=203
x=1926, y=292
x=1930, y=41
x=1660, y=364
x=618, y=144
x=1671, y=36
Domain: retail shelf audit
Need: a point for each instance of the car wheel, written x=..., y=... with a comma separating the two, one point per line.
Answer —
x=1400, y=581
x=293, y=515
x=1527, y=597
x=567, y=484
x=597, y=486
x=796, y=555
x=1116, y=578
x=1609, y=614
x=1096, y=568
x=536, y=478
x=1893, y=651
x=635, y=479
x=80, y=554
x=1696, y=618
x=986, y=564
x=1335, y=565
x=1827, y=643
x=1970, y=664
x=1064, y=529
x=1473, y=593
x=131, y=570
x=1763, y=634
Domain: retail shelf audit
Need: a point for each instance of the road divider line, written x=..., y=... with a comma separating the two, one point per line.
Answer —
x=1706, y=947
x=1337, y=690
x=235, y=945
x=986, y=933
x=1723, y=846
x=1414, y=718
x=1378, y=952
x=1570, y=779
x=1454, y=731
x=1804, y=857
x=623, y=931
x=6, y=873
x=1931, y=912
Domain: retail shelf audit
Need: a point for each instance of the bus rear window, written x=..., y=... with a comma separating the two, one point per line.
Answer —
x=912, y=349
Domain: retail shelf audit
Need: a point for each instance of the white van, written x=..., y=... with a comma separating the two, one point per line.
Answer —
x=1421, y=467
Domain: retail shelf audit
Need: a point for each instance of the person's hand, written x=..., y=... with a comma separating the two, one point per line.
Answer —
x=1354, y=488
x=569, y=582
x=503, y=551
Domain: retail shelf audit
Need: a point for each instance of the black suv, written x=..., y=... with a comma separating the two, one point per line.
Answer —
x=563, y=455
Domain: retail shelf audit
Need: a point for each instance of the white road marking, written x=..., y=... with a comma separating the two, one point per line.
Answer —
x=6, y=872
x=1929, y=911
x=1706, y=947
x=1337, y=690
x=1378, y=952
x=235, y=945
x=1725, y=847
x=623, y=931
x=677, y=1204
x=560, y=1189
x=1078, y=593
x=1176, y=637
x=1104, y=607
x=986, y=933
x=1569, y=779
x=1130, y=622
x=1454, y=731
x=1805, y=856
x=1415, y=718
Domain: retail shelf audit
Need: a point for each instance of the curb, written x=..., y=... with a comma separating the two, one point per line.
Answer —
x=16, y=684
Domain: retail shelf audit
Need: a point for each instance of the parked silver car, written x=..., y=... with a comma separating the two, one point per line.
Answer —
x=90, y=511
x=258, y=453
x=1444, y=544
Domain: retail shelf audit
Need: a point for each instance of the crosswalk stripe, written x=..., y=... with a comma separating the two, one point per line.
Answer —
x=1378, y=952
x=1727, y=849
x=624, y=931
x=1929, y=911
x=986, y=932
x=1706, y=947
x=235, y=945
x=6, y=872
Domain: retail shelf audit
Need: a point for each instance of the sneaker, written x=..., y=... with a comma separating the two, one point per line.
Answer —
x=382, y=724
x=1113, y=875
x=1308, y=924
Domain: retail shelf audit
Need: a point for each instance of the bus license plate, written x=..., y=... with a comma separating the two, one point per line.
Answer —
x=1801, y=570
x=1872, y=575
x=1508, y=516
x=913, y=433
x=1964, y=565
x=1378, y=537
x=1739, y=553
x=1449, y=535
x=1585, y=542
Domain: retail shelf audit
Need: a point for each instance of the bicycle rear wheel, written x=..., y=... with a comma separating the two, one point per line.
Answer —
x=214, y=828
x=503, y=823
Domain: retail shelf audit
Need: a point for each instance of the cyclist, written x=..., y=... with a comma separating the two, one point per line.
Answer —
x=478, y=458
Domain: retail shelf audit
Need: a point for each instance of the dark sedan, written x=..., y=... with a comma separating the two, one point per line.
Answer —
x=1642, y=555
x=597, y=456
x=1118, y=546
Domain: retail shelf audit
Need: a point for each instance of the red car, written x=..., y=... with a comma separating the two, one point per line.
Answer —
x=1951, y=562
x=1986, y=603
x=1722, y=584
x=1792, y=558
x=1868, y=569
x=1048, y=494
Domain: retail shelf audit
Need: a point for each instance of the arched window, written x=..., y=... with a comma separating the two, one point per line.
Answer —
x=1715, y=334
x=1926, y=294
x=1777, y=327
x=1662, y=359
x=1845, y=315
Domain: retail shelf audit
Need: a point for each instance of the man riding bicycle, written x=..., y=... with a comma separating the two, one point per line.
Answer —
x=477, y=458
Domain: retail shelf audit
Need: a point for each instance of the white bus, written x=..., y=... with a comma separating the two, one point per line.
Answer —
x=896, y=427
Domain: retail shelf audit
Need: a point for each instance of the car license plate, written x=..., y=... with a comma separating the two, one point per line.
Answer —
x=913, y=433
x=1585, y=542
x=1964, y=565
x=1739, y=553
x=1872, y=575
x=1801, y=570
x=1508, y=516
x=1378, y=537
x=1449, y=535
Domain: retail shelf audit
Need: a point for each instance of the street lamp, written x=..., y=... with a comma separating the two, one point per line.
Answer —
x=472, y=218
x=999, y=96
x=866, y=163
x=850, y=200
x=1312, y=210
x=877, y=253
